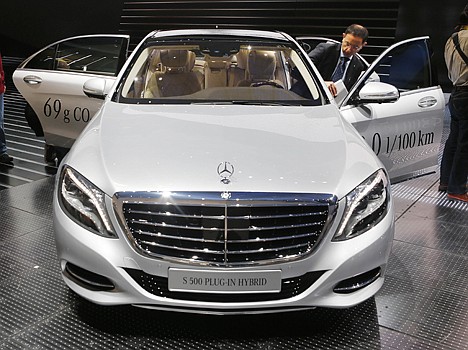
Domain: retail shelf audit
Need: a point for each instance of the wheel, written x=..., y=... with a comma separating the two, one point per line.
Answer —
x=50, y=154
x=33, y=120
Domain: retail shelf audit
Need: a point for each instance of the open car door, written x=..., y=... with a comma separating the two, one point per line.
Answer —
x=52, y=79
x=405, y=134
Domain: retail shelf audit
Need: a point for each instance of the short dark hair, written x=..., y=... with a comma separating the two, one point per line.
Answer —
x=463, y=20
x=358, y=30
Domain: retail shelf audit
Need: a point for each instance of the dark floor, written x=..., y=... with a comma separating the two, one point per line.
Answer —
x=423, y=304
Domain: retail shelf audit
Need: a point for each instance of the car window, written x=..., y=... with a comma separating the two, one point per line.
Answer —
x=229, y=70
x=407, y=67
x=96, y=55
x=44, y=59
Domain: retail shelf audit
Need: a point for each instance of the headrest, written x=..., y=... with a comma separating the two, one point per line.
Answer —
x=261, y=64
x=190, y=60
x=216, y=62
x=174, y=60
x=241, y=58
x=154, y=60
x=62, y=64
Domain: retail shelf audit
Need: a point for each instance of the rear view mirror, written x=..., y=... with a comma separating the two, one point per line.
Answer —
x=96, y=88
x=377, y=92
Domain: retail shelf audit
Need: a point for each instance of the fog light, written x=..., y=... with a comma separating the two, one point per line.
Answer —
x=355, y=283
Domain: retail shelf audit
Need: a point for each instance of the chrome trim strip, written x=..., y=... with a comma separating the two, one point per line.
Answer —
x=208, y=251
x=256, y=228
x=175, y=215
x=87, y=281
x=222, y=217
x=214, y=198
x=360, y=285
x=191, y=239
x=225, y=234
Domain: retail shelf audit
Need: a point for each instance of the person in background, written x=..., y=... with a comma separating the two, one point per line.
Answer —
x=4, y=157
x=454, y=165
x=338, y=61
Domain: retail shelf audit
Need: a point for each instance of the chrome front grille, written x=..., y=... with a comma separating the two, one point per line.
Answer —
x=202, y=227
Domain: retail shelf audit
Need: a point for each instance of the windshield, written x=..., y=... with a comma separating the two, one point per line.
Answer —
x=218, y=70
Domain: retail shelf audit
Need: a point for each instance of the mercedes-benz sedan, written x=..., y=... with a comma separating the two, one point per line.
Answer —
x=220, y=176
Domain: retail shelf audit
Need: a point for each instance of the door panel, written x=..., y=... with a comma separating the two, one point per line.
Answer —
x=406, y=134
x=52, y=81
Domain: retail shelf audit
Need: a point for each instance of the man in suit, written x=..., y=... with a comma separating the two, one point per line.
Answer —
x=338, y=61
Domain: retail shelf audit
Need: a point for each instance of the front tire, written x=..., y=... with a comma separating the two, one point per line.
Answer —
x=50, y=154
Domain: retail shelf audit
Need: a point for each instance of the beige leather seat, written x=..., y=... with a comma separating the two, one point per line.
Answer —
x=196, y=69
x=177, y=77
x=140, y=83
x=261, y=66
x=216, y=72
x=62, y=64
x=237, y=70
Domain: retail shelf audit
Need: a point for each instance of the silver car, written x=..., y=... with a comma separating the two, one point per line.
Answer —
x=220, y=175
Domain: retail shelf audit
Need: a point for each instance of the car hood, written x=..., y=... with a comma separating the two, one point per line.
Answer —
x=180, y=147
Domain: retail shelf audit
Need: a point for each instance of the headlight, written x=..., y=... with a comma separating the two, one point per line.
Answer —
x=84, y=202
x=366, y=206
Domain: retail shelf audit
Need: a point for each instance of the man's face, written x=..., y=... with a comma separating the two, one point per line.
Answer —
x=351, y=44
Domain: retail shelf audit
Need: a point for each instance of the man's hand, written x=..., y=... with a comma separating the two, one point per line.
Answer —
x=332, y=87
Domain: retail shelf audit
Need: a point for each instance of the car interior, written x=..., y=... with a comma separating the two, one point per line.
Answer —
x=251, y=73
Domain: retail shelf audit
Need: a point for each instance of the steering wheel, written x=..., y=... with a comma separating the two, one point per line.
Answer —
x=267, y=82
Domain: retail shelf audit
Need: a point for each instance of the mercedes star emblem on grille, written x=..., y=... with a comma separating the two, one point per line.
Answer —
x=225, y=170
x=225, y=195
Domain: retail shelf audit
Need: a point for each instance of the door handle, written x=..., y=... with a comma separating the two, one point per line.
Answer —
x=427, y=101
x=32, y=80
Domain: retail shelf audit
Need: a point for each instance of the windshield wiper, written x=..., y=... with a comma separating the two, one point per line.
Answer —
x=213, y=103
x=264, y=103
x=247, y=102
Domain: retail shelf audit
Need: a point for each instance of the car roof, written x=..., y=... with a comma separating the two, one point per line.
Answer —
x=231, y=32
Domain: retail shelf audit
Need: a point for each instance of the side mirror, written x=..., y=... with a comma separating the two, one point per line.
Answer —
x=96, y=88
x=377, y=92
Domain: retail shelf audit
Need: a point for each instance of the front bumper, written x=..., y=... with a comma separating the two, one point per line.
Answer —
x=142, y=281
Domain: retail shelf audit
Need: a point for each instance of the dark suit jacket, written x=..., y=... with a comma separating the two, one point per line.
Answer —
x=325, y=57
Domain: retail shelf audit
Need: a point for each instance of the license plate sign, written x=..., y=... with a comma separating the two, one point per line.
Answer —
x=229, y=282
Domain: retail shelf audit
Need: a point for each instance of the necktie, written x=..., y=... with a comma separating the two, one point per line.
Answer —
x=340, y=68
